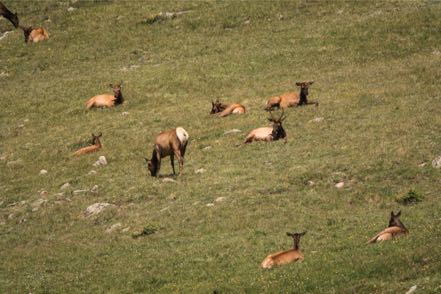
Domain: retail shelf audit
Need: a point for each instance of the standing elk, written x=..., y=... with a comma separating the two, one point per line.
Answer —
x=395, y=229
x=226, y=109
x=93, y=148
x=34, y=35
x=6, y=13
x=291, y=99
x=268, y=134
x=169, y=143
x=107, y=100
x=288, y=256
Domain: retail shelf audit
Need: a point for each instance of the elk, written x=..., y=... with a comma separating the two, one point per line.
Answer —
x=6, y=13
x=34, y=35
x=92, y=148
x=226, y=109
x=268, y=134
x=168, y=143
x=107, y=100
x=284, y=257
x=395, y=229
x=291, y=99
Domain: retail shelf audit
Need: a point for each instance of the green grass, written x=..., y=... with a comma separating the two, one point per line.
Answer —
x=377, y=70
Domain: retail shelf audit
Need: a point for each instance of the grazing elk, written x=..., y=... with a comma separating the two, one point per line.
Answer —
x=6, y=13
x=169, y=143
x=34, y=35
x=291, y=99
x=93, y=148
x=273, y=133
x=395, y=229
x=226, y=109
x=284, y=257
x=107, y=100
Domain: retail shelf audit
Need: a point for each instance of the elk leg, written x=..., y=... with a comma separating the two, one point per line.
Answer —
x=172, y=159
x=180, y=159
x=158, y=157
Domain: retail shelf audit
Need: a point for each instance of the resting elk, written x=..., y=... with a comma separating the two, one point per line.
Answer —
x=6, y=13
x=34, y=35
x=169, y=143
x=107, y=100
x=93, y=148
x=288, y=256
x=226, y=109
x=291, y=99
x=395, y=229
x=268, y=134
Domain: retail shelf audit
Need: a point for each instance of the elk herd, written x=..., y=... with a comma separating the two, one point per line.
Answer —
x=174, y=142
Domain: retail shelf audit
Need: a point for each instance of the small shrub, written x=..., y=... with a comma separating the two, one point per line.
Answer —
x=409, y=198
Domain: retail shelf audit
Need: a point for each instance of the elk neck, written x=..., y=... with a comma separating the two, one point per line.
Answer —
x=303, y=96
x=119, y=97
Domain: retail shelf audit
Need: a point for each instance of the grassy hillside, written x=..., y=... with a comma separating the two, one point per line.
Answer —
x=376, y=67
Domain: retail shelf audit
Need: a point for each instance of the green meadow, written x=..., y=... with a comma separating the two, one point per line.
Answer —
x=377, y=71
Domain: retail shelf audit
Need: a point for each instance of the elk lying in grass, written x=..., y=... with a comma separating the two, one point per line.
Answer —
x=34, y=35
x=6, y=13
x=287, y=256
x=93, y=148
x=291, y=99
x=273, y=133
x=226, y=109
x=107, y=100
x=169, y=143
x=395, y=229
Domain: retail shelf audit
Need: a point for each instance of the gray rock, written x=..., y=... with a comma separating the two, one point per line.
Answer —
x=317, y=119
x=37, y=204
x=200, y=171
x=65, y=186
x=168, y=180
x=210, y=204
x=70, y=9
x=94, y=189
x=97, y=208
x=43, y=172
x=92, y=172
x=436, y=163
x=340, y=185
x=113, y=228
x=101, y=161
x=232, y=131
x=78, y=192
x=220, y=199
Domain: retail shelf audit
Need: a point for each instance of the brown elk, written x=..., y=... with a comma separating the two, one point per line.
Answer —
x=226, y=109
x=107, y=100
x=169, y=143
x=6, y=13
x=34, y=35
x=291, y=99
x=273, y=133
x=288, y=256
x=93, y=148
x=395, y=229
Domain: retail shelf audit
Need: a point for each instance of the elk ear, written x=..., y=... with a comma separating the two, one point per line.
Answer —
x=298, y=84
x=289, y=234
x=100, y=134
x=111, y=85
x=310, y=82
x=301, y=234
x=120, y=83
x=392, y=214
x=398, y=214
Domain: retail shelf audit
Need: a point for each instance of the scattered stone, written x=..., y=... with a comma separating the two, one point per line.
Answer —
x=436, y=163
x=113, y=228
x=44, y=193
x=124, y=113
x=206, y=148
x=247, y=21
x=412, y=289
x=11, y=216
x=125, y=230
x=280, y=17
x=92, y=172
x=37, y=204
x=43, y=172
x=101, y=161
x=220, y=199
x=340, y=185
x=77, y=192
x=94, y=189
x=317, y=119
x=20, y=126
x=4, y=35
x=422, y=164
x=97, y=208
x=436, y=52
x=311, y=183
x=3, y=157
x=65, y=186
x=210, y=204
x=200, y=171
x=70, y=9
x=168, y=180
x=232, y=131
x=164, y=209
x=26, y=120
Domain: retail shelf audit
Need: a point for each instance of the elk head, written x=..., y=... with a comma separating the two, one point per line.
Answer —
x=296, y=238
x=152, y=166
x=278, y=130
x=304, y=86
x=394, y=220
x=216, y=107
x=117, y=92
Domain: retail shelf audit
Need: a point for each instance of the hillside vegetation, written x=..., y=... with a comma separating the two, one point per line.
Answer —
x=377, y=70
